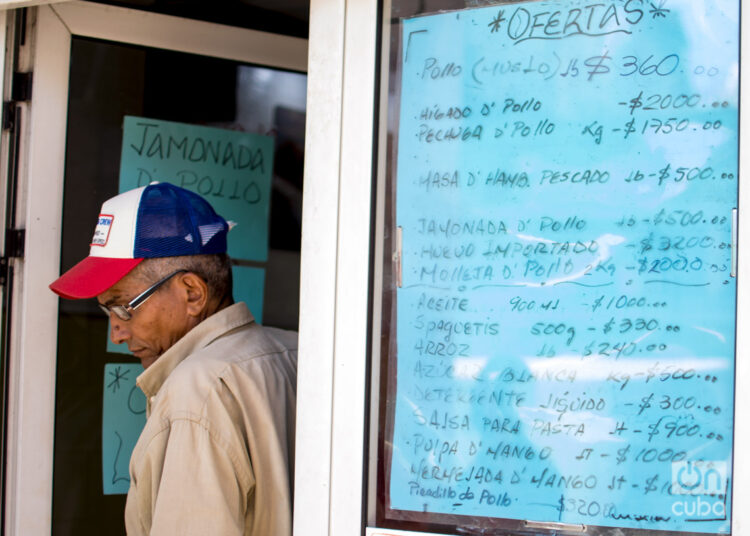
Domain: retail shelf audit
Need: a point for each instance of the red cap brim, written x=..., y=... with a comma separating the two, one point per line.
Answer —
x=92, y=276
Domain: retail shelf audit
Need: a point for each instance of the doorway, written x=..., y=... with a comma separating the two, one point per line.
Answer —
x=93, y=65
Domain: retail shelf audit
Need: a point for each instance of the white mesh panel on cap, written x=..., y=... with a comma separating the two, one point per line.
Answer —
x=124, y=210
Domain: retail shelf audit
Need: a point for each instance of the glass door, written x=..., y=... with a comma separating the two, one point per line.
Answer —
x=98, y=408
x=115, y=70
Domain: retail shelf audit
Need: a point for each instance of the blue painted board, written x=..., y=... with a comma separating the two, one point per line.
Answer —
x=566, y=175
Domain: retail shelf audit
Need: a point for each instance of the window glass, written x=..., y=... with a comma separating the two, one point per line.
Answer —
x=557, y=342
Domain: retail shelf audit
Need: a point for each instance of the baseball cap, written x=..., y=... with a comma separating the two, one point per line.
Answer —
x=158, y=220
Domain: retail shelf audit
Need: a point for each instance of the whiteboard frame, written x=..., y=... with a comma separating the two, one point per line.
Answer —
x=741, y=469
x=34, y=323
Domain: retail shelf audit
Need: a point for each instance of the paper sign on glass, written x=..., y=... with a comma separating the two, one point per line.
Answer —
x=231, y=169
x=566, y=174
x=123, y=419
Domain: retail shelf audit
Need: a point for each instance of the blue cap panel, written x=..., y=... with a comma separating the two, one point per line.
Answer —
x=173, y=221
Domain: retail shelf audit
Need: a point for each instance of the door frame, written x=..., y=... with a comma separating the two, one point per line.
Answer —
x=332, y=378
x=40, y=193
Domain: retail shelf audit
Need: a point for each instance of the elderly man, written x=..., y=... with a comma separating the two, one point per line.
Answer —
x=216, y=454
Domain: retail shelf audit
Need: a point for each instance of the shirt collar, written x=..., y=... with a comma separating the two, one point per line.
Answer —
x=213, y=327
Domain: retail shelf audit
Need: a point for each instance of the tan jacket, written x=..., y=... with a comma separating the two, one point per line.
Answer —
x=216, y=455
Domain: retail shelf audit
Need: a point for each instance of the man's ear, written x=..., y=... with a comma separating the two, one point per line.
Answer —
x=196, y=293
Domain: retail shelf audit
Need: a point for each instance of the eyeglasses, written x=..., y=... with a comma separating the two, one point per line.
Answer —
x=125, y=312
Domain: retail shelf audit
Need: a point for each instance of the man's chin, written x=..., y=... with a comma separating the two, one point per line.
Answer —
x=147, y=359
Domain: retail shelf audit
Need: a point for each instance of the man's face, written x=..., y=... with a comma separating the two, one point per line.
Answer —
x=156, y=325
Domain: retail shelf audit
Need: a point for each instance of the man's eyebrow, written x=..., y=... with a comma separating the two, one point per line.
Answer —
x=112, y=300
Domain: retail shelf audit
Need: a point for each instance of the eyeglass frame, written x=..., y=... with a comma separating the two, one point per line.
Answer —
x=125, y=312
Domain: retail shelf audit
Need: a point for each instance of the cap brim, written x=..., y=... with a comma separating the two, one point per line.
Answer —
x=92, y=276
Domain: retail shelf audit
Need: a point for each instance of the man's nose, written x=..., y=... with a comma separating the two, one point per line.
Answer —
x=118, y=330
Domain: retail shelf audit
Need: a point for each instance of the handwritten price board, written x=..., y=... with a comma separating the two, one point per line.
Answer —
x=232, y=170
x=566, y=179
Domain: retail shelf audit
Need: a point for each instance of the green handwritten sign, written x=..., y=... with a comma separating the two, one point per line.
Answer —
x=248, y=285
x=123, y=418
x=231, y=169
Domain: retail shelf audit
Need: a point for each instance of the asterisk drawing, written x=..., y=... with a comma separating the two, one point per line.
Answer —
x=117, y=375
x=495, y=24
x=659, y=11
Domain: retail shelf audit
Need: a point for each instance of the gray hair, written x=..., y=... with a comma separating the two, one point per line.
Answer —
x=215, y=270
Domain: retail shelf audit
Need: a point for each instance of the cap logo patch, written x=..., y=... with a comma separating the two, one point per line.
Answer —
x=103, y=227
